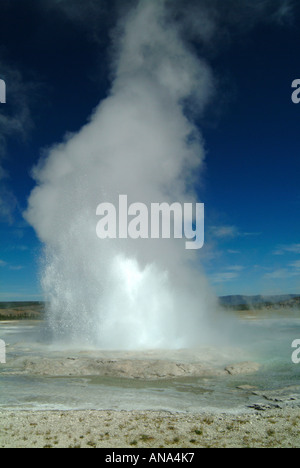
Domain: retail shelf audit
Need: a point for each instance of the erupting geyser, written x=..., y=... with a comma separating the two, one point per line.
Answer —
x=127, y=294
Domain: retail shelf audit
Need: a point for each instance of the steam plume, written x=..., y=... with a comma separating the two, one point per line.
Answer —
x=139, y=142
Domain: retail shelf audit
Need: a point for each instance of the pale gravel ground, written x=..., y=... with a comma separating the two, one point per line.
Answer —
x=134, y=429
x=151, y=429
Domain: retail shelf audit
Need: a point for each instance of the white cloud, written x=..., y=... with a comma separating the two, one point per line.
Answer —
x=10, y=266
x=236, y=268
x=230, y=232
x=280, y=273
x=231, y=273
x=285, y=12
x=224, y=232
x=21, y=248
x=291, y=248
x=224, y=277
x=8, y=203
x=286, y=272
x=15, y=115
x=15, y=121
x=16, y=267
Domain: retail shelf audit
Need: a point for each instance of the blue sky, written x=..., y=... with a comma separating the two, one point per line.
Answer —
x=57, y=70
x=253, y=168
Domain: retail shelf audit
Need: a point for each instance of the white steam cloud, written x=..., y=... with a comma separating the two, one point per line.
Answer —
x=138, y=142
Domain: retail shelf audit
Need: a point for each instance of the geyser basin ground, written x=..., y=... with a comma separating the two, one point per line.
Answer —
x=48, y=400
x=233, y=378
